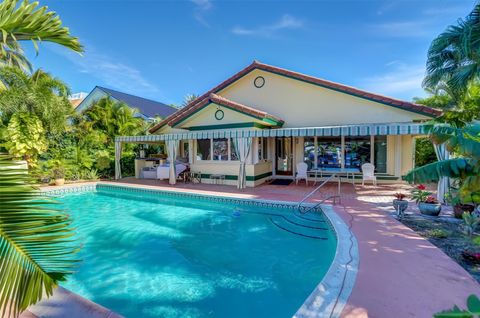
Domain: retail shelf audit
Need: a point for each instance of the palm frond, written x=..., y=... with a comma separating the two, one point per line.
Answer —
x=37, y=244
x=29, y=22
x=15, y=58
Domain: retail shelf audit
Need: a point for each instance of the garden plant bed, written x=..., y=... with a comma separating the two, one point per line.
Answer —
x=447, y=235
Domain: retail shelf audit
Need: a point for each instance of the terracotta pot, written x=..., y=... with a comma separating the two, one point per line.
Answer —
x=432, y=209
x=59, y=182
x=460, y=208
x=400, y=205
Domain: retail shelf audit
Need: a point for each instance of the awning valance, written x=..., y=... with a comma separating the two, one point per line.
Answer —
x=348, y=130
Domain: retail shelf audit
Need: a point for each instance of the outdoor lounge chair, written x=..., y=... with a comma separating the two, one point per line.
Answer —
x=302, y=168
x=368, y=173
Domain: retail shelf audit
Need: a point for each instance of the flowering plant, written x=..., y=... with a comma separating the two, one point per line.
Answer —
x=400, y=196
x=431, y=199
x=419, y=194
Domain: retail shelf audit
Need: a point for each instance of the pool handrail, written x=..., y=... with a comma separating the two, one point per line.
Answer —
x=299, y=205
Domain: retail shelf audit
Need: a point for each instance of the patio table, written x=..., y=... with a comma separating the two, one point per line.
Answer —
x=339, y=171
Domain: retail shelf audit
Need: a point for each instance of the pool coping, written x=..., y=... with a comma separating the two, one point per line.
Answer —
x=329, y=297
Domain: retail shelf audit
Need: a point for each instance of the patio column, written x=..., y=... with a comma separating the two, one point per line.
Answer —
x=118, y=156
x=444, y=183
x=242, y=148
x=190, y=151
x=342, y=156
x=172, y=146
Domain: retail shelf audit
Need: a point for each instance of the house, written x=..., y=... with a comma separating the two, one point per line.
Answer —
x=285, y=118
x=77, y=98
x=147, y=108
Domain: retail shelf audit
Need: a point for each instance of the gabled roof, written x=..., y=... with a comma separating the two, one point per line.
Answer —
x=408, y=106
x=147, y=107
x=219, y=100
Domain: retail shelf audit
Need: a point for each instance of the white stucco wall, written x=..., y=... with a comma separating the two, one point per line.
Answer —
x=302, y=104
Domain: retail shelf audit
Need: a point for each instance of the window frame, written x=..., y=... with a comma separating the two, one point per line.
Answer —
x=211, y=160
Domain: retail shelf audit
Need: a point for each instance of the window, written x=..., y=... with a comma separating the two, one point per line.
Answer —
x=380, y=154
x=262, y=149
x=203, y=149
x=357, y=151
x=233, y=151
x=309, y=152
x=329, y=152
x=220, y=149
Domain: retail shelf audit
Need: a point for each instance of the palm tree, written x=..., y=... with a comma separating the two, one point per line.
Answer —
x=453, y=57
x=37, y=246
x=28, y=22
x=188, y=99
x=113, y=118
x=38, y=93
x=464, y=142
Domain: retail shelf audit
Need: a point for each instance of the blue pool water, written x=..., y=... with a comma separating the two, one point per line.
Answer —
x=155, y=255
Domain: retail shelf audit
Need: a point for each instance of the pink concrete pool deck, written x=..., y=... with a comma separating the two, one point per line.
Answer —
x=400, y=273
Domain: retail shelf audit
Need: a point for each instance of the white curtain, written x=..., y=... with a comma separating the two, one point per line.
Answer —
x=444, y=183
x=172, y=146
x=242, y=149
x=118, y=156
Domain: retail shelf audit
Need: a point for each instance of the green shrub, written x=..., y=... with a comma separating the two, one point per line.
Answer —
x=476, y=240
x=90, y=174
x=424, y=152
x=437, y=233
x=127, y=164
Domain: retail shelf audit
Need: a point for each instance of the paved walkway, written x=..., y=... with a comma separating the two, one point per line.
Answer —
x=400, y=274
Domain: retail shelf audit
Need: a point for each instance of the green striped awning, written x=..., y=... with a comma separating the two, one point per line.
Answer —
x=349, y=130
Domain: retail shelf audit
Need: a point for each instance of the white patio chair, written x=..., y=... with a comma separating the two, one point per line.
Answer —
x=302, y=168
x=368, y=173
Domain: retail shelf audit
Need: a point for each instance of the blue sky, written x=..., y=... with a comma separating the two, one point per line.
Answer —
x=164, y=50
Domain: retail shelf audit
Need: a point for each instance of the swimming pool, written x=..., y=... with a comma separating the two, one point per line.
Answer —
x=153, y=254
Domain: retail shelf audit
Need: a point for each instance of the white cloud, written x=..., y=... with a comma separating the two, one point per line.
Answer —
x=111, y=72
x=286, y=22
x=201, y=8
x=399, y=80
x=420, y=28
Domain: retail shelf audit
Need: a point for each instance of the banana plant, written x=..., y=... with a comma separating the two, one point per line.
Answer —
x=464, y=143
x=37, y=243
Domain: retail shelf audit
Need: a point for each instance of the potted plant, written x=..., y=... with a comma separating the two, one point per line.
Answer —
x=459, y=208
x=400, y=204
x=427, y=203
x=59, y=175
x=453, y=198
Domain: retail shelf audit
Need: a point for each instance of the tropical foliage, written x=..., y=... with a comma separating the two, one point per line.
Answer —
x=472, y=311
x=453, y=60
x=34, y=109
x=25, y=137
x=188, y=99
x=424, y=152
x=37, y=246
x=458, y=109
x=464, y=143
x=29, y=22
x=39, y=93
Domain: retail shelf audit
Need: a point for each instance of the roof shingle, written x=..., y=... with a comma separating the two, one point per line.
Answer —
x=147, y=107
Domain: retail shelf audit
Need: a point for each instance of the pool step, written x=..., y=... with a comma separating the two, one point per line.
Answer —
x=293, y=226
x=310, y=216
x=295, y=220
